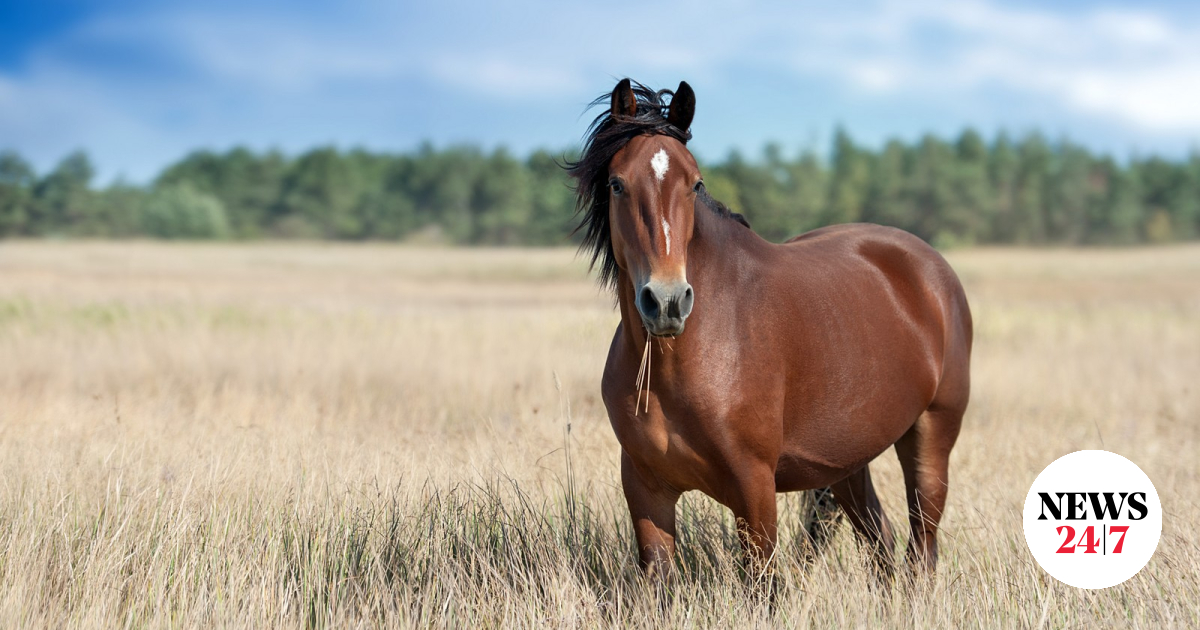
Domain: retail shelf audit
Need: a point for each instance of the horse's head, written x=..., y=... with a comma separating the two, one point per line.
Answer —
x=653, y=182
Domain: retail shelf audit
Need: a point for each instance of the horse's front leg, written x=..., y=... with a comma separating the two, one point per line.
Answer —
x=753, y=503
x=652, y=508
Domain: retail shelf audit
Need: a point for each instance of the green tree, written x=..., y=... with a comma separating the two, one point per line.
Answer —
x=806, y=193
x=180, y=211
x=551, y=201
x=63, y=200
x=319, y=196
x=849, y=184
x=1118, y=219
x=386, y=208
x=443, y=184
x=1069, y=195
x=1033, y=171
x=248, y=185
x=757, y=196
x=1002, y=173
x=963, y=191
x=501, y=201
x=1169, y=194
x=932, y=188
x=1184, y=200
x=776, y=214
x=16, y=194
x=889, y=201
x=119, y=210
x=966, y=215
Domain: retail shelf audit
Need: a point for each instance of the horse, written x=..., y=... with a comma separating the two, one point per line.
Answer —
x=743, y=368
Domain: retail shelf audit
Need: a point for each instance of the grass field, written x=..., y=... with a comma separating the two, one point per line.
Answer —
x=270, y=435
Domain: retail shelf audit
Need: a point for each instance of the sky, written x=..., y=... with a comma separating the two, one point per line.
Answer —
x=139, y=83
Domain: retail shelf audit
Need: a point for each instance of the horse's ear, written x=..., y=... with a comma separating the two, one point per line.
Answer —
x=683, y=107
x=624, y=103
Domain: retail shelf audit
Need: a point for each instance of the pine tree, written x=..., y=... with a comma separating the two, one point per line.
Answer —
x=1068, y=196
x=62, y=199
x=1002, y=173
x=849, y=183
x=1124, y=210
x=1033, y=172
x=16, y=194
x=319, y=196
x=889, y=198
x=501, y=201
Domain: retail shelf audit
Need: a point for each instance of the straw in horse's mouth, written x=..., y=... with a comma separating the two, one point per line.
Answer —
x=643, y=377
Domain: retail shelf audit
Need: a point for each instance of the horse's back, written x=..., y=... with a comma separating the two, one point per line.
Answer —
x=906, y=261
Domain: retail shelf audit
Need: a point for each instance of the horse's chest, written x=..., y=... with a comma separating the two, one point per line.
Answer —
x=676, y=424
x=677, y=447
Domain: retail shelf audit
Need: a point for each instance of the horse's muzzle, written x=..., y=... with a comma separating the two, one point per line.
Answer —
x=665, y=307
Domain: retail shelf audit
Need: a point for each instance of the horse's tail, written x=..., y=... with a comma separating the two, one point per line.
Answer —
x=820, y=520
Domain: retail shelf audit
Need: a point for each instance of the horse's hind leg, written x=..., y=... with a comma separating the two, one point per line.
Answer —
x=856, y=495
x=924, y=454
x=821, y=516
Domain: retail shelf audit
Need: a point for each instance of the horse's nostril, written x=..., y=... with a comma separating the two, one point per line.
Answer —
x=648, y=303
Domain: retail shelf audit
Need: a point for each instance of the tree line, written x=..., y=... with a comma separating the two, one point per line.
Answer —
x=950, y=192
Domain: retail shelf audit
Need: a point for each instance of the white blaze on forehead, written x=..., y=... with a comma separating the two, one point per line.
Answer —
x=667, y=235
x=660, y=163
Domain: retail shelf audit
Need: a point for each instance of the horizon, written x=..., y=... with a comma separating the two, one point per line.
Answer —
x=823, y=154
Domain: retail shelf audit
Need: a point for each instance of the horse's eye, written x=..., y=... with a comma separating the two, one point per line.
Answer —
x=699, y=187
x=616, y=187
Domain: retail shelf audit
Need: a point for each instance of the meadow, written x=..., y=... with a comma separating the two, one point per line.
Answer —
x=320, y=435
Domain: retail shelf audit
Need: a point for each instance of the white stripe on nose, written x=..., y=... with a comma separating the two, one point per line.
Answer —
x=667, y=235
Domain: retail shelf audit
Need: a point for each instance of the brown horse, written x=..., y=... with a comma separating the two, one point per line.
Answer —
x=742, y=368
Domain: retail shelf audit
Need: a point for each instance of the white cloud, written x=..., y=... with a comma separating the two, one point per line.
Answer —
x=268, y=51
x=1135, y=67
x=244, y=75
x=496, y=76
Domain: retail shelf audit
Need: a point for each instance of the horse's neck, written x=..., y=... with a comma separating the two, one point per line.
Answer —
x=716, y=251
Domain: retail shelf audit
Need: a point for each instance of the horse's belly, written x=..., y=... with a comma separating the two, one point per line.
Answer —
x=819, y=453
x=800, y=472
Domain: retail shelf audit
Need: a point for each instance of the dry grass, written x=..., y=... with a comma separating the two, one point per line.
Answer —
x=312, y=435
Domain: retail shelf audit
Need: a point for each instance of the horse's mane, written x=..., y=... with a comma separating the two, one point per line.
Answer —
x=607, y=135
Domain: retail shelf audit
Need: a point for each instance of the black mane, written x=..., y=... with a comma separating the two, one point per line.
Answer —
x=607, y=135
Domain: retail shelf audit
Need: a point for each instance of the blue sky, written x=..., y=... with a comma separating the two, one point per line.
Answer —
x=139, y=84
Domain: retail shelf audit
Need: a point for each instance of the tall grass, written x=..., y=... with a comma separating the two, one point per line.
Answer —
x=326, y=436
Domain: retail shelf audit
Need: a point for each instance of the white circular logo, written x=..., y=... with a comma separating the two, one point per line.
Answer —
x=1092, y=519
